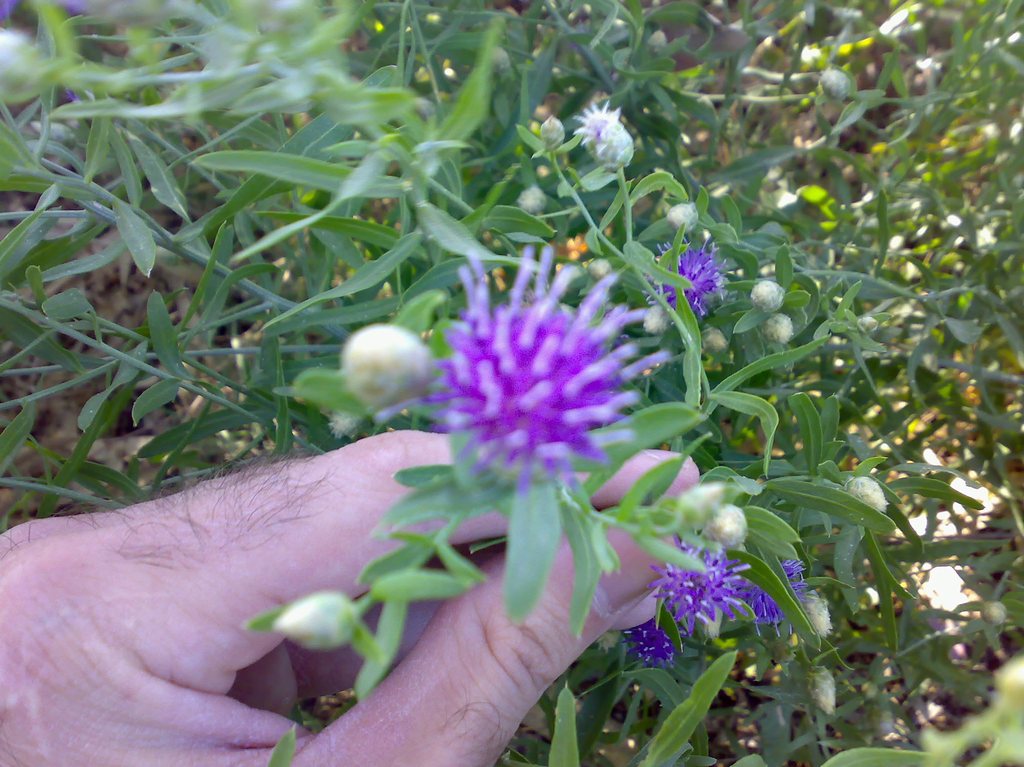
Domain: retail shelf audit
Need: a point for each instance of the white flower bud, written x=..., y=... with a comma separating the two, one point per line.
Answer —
x=532, y=200
x=614, y=150
x=868, y=491
x=1010, y=683
x=343, y=424
x=552, y=133
x=696, y=504
x=385, y=365
x=867, y=324
x=714, y=340
x=19, y=65
x=835, y=83
x=683, y=216
x=727, y=526
x=656, y=321
x=823, y=690
x=818, y=614
x=320, y=621
x=767, y=295
x=993, y=613
x=599, y=268
x=778, y=329
x=657, y=41
x=502, y=62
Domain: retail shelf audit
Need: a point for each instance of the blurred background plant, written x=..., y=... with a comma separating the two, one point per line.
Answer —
x=204, y=200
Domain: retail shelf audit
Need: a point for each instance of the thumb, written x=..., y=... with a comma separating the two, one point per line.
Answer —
x=464, y=689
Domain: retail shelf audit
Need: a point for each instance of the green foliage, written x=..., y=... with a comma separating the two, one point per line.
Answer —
x=188, y=243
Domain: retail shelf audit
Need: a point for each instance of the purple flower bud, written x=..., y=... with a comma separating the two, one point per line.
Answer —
x=767, y=610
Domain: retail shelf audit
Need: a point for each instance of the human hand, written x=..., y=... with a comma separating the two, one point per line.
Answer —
x=122, y=639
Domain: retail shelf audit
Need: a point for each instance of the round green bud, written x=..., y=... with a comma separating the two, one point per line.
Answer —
x=552, y=133
x=320, y=621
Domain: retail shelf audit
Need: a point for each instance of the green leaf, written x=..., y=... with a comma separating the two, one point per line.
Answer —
x=67, y=305
x=669, y=552
x=14, y=242
x=534, y=532
x=161, y=181
x=358, y=230
x=137, y=237
x=770, y=532
x=295, y=169
x=15, y=434
x=934, y=488
x=389, y=639
x=772, y=361
x=596, y=179
x=564, y=749
x=651, y=427
x=876, y=757
x=326, y=389
x=760, y=574
x=810, y=429
x=284, y=751
x=679, y=726
x=450, y=234
x=580, y=532
x=650, y=485
x=474, y=101
x=418, y=313
x=510, y=220
x=755, y=406
x=416, y=586
x=157, y=395
x=832, y=501
x=163, y=335
x=655, y=182
x=369, y=275
x=753, y=760
x=420, y=476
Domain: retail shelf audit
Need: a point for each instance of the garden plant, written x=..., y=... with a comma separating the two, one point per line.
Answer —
x=782, y=240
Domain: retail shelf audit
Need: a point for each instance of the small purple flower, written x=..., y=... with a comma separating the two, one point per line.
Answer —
x=649, y=643
x=701, y=267
x=691, y=596
x=767, y=610
x=7, y=8
x=530, y=379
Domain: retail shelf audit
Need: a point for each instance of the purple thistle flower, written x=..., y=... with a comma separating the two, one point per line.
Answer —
x=701, y=267
x=767, y=610
x=530, y=379
x=691, y=596
x=649, y=643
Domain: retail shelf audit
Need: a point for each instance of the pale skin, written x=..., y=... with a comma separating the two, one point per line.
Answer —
x=122, y=639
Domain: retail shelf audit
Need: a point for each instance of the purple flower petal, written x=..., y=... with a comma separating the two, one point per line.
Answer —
x=691, y=596
x=650, y=644
x=767, y=610
x=529, y=380
x=701, y=267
